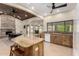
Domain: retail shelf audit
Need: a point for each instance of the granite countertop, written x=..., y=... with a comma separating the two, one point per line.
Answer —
x=27, y=41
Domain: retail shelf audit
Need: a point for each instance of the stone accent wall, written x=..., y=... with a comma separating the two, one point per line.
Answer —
x=7, y=24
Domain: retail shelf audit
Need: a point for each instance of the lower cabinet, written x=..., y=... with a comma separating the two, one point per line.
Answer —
x=67, y=40
x=34, y=50
x=38, y=49
x=56, y=39
x=42, y=35
x=62, y=39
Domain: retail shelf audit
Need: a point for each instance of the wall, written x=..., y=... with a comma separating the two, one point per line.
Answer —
x=76, y=32
x=59, y=17
x=32, y=21
x=0, y=22
x=18, y=26
x=18, y=23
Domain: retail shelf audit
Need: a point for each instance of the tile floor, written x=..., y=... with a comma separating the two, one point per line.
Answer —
x=57, y=50
x=49, y=49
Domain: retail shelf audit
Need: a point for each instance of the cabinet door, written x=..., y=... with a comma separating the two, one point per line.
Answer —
x=53, y=38
x=35, y=50
x=38, y=49
x=67, y=40
x=56, y=39
x=42, y=35
x=41, y=49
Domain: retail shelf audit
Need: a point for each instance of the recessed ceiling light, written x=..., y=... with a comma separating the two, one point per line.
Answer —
x=19, y=17
x=32, y=7
x=25, y=15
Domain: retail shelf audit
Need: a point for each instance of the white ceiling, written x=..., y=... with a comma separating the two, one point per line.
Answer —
x=44, y=9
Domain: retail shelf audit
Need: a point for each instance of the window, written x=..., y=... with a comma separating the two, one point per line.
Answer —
x=60, y=27
x=69, y=26
x=63, y=26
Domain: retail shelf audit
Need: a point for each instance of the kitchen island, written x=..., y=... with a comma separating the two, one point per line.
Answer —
x=30, y=45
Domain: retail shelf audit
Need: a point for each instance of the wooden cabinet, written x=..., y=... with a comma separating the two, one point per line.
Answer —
x=62, y=39
x=42, y=35
x=30, y=46
x=53, y=38
x=67, y=40
x=34, y=50
x=56, y=38
x=38, y=49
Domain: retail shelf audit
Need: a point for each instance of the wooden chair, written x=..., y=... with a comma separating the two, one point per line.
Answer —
x=15, y=51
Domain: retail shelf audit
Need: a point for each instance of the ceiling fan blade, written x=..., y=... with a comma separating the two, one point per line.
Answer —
x=64, y=5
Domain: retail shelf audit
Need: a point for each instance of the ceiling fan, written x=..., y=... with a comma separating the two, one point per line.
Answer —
x=55, y=7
